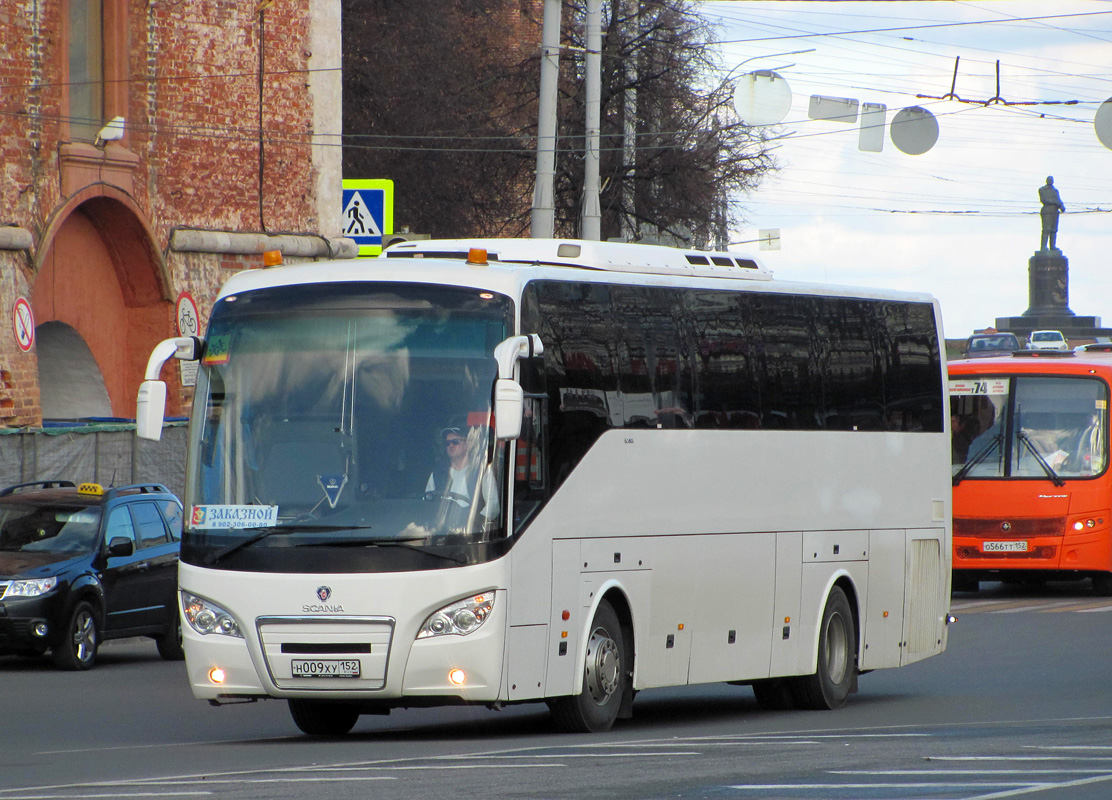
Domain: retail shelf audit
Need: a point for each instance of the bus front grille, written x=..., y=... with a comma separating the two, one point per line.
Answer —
x=326, y=653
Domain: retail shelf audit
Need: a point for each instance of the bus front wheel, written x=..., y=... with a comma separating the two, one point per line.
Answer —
x=322, y=718
x=836, y=674
x=606, y=681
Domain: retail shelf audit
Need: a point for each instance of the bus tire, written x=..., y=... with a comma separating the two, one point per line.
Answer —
x=835, y=676
x=322, y=718
x=774, y=694
x=606, y=679
x=962, y=581
x=1102, y=584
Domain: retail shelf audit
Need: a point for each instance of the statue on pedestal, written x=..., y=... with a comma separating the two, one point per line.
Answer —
x=1051, y=207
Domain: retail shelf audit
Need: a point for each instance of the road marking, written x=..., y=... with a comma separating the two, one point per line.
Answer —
x=968, y=771
x=1042, y=788
x=764, y=787
x=104, y=796
x=1020, y=758
x=1074, y=605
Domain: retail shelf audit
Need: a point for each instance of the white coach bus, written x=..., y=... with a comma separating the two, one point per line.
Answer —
x=506, y=471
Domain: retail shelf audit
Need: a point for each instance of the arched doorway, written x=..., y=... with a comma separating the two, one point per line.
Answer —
x=70, y=382
x=101, y=277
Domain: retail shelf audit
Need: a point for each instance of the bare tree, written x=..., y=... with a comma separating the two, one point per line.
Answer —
x=690, y=153
x=440, y=95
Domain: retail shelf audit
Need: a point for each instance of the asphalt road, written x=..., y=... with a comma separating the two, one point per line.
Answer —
x=1019, y=705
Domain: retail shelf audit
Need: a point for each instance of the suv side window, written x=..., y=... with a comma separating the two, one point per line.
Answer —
x=148, y=523
x=119, y=524
x=172, y=512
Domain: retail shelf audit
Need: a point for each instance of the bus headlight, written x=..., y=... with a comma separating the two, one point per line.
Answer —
x=460, y=618
x=206, y=617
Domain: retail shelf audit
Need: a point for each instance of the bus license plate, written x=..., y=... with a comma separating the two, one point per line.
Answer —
x=1005, y=547
x=325, y=668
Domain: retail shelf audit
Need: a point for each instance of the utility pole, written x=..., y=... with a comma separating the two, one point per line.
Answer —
x=591, y=222
x=543, y=222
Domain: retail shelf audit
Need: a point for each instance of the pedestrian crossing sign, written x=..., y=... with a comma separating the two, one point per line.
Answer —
x=368, y=213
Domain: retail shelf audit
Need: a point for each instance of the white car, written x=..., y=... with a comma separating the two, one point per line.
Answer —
x=1047, y=340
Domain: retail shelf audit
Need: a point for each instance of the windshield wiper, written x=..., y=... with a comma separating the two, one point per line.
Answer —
x=263, y=533
x=961, y=474
x=404, y=543
x=1054, y=476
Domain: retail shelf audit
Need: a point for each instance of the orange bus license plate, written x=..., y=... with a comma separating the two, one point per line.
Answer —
x=1005, y=547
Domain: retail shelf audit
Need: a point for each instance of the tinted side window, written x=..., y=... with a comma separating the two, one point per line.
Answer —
x=172, y=512
x=913, y=385
x=577, y=328
x=119, y=525
x=653, y=357
x=626, y=356
x=148, y=523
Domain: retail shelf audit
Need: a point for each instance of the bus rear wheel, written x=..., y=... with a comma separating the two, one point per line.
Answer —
x=605, y=679
x=836, y=674
x=774, y=694
x=323, y=718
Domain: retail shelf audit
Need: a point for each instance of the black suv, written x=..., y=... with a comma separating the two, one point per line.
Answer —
x=79, y=564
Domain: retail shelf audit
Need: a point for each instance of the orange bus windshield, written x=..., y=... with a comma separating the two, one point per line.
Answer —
x=1028, y=426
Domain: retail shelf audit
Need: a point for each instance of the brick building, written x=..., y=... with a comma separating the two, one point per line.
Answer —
x=228, y=146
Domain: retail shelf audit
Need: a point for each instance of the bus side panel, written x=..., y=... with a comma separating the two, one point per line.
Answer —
x=884, y=604
x=789, y=592
x=562, y=677
x=734, y=590
x=525, y=651
x=927, y=606
x=665, y=651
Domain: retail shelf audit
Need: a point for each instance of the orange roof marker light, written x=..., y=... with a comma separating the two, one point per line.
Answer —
x=272, y=258
x=477, y=256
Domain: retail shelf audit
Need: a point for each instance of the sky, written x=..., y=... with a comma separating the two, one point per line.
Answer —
x=961, y=220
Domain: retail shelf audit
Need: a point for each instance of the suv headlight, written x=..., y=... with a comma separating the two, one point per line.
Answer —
x=31, y=588
x=206, y=617
x=460, y=618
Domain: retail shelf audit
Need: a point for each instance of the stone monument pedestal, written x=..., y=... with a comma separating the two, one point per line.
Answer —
x=1048, y=291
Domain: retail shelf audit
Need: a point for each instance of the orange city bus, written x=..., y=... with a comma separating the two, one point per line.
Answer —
x=1032, y=488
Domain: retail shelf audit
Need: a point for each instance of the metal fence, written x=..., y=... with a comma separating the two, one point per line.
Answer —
x=106, y=453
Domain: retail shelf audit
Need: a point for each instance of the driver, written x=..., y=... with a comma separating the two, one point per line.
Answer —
x=456, y=482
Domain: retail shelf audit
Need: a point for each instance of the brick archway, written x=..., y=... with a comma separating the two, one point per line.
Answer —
x=99, y=272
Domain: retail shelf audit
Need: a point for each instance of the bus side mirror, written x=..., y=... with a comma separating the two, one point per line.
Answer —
x=509, y=399
x=150, y=405
x=509, y=403
x=150, y=410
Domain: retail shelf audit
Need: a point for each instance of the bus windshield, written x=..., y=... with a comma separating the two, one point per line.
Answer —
x=351, y=415
x=1028, y=426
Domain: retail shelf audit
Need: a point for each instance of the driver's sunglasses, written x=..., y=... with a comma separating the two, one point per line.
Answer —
x=455, y=440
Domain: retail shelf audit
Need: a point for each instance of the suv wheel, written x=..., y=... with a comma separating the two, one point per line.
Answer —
x=169, y=643
x=77, y=649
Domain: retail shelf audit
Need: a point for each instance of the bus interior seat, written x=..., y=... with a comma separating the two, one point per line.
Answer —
x=298, y=456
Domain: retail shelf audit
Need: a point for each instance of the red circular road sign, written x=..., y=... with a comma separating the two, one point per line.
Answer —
x=23, y=323
x=186, y=311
